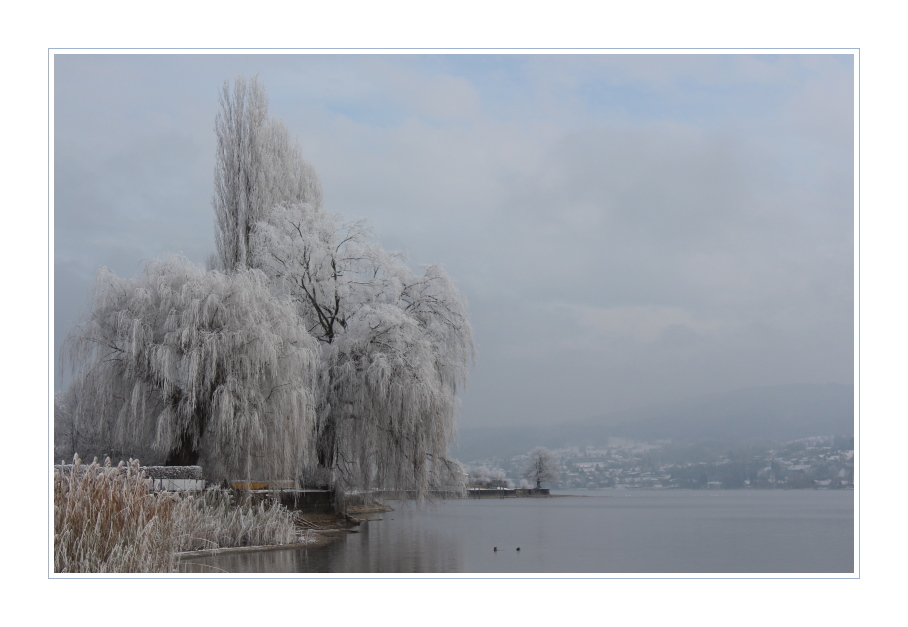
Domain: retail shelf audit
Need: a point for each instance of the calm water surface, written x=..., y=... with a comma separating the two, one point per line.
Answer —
x=596, y=531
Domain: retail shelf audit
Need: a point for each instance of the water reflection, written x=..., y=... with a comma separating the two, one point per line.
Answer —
x=674, y=531
x=375, y=547
x=272, y=561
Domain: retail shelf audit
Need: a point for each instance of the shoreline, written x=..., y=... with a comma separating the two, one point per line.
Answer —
x=319, y=540
x=321, y=529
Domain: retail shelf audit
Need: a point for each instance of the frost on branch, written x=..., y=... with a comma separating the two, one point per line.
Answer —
x=196, y=367
x=395, y=347
x=487, y=477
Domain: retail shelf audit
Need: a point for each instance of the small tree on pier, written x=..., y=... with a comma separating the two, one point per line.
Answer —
x=541, y=467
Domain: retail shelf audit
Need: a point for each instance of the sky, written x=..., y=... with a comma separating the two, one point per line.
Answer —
x=626, y=228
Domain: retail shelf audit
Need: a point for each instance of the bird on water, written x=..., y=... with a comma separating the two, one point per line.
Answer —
x=495, y=549
x=518, y=548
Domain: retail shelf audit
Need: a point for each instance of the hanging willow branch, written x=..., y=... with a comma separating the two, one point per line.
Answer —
x=197, y=367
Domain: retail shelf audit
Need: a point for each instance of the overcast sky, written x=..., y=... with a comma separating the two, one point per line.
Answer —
x=626, y=228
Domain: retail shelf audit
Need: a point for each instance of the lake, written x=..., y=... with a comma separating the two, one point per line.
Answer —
x=587, y=532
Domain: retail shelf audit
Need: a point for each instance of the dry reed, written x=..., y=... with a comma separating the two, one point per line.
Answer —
x=107, y=520
x=211, y=520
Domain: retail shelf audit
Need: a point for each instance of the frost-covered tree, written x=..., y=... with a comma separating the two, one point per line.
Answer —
x=305, y=344
x=541, y=467
x=257, y=167
x=395, y=346
x=485, y=476
x=192, y=366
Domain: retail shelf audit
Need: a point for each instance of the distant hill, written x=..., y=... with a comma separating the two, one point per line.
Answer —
x=779, y=412
x=771, y=413
x=503, y=442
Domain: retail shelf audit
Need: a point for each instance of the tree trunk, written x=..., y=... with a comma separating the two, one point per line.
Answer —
x=326, y=446
x=185, y=455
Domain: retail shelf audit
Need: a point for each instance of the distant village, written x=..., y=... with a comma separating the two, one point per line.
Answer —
x=811, y=463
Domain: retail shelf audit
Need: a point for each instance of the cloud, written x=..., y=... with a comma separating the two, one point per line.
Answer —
x=822, y=111
x=624, y=226
x=643, y=324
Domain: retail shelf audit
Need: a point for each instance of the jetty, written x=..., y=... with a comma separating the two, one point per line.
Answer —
x=506, y=493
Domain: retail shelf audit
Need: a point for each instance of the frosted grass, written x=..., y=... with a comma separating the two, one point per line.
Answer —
x=107, y=520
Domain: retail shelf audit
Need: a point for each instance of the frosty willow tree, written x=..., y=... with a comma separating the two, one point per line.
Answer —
x=190, y=366
x=395, y=347
x=308, y=348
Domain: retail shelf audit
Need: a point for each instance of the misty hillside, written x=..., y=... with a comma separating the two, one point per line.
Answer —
x=771, y=413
